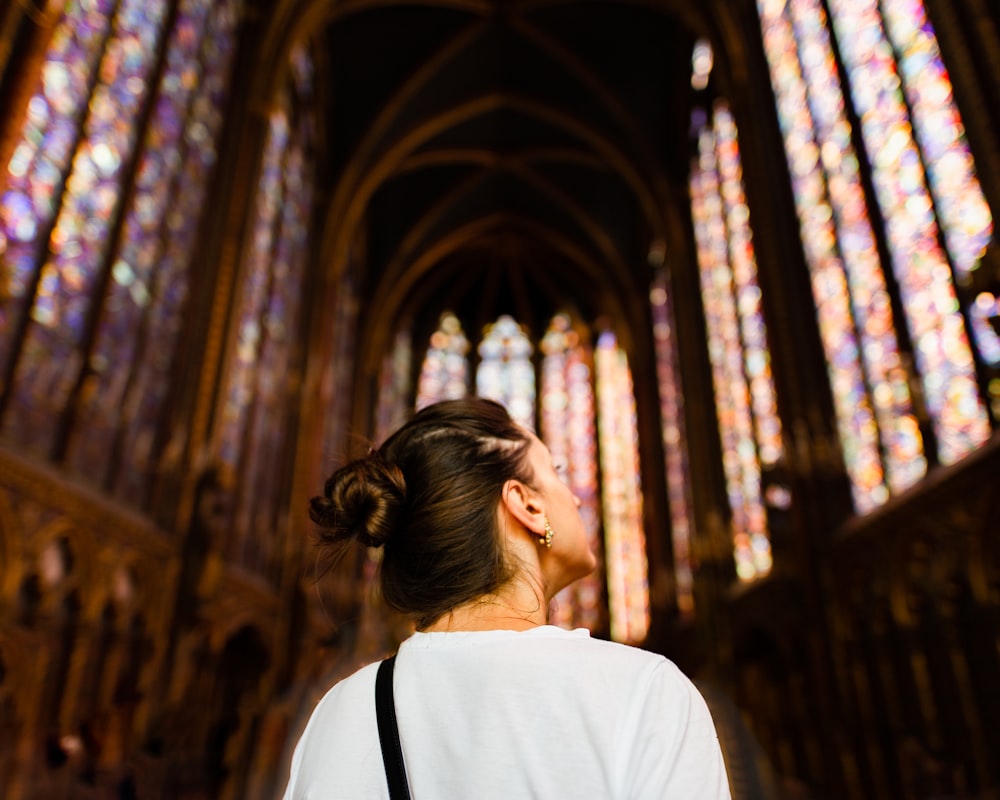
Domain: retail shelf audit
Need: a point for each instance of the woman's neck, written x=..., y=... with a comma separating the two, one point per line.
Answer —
x=516, y=607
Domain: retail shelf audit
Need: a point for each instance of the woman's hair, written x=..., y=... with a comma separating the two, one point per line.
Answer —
x=429, y=496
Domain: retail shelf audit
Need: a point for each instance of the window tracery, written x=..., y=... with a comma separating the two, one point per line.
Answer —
x=674, y=442
x=506, y=373
x=937, y=225
x=568, y=429
x=95, y=271
x=250, y=443
x=746, y=403
x=445, y=368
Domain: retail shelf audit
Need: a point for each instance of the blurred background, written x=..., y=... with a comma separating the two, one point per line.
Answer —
x=734, y=261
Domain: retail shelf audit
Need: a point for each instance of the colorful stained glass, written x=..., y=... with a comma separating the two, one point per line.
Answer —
x=256, y=289
x=848, y=286
x=887, y=377
x=394, y=387
x=505, y=371
x=962, y=210
x=984, y=317
x=185, y=123
x=921, y=267
x=985, y=308
x=256, y=519
x=147, y=391
x=674, y=443
x=702, y=60
x=36, y=172
x=444, y=372
x=756, y=355
x=568, y=430
x=49, y=361
x=725, y=301
x=621, y=493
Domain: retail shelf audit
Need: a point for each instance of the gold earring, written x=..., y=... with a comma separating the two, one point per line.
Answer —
x=549, y=533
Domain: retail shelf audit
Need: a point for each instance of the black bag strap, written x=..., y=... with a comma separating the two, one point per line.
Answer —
x=388, y=732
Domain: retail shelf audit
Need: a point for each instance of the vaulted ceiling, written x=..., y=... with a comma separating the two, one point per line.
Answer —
x=492, y=157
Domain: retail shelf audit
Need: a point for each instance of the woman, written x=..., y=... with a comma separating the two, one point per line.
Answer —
x=479, y=533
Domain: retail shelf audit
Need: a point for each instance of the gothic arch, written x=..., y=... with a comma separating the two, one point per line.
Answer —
x=81, y=557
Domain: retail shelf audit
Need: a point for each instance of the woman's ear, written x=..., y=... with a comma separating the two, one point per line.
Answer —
x=522, y=504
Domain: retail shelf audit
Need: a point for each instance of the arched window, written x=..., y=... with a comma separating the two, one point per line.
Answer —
x=130, y=365
x=95, y=241
x=251, y=438
x=445, y=369
x=923, y=190
x=569, y=431
x=621, y=493
x=67, y=170
x=253, y=303
x=339, y=367
x=674, y=442
x=737, y=339
x=394, y=387
x=505, y=372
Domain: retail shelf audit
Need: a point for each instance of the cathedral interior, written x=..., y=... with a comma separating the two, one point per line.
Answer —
x=734, y=260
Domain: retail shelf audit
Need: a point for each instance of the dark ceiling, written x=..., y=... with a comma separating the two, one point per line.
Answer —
x=493, y=157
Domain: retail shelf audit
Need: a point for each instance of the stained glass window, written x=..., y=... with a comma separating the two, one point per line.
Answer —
x=88, y=278
x=394, y=387
x=621, y=493
x=279, y=334
x=72, y=252
x=674, y=442
x=129, y=366
x=505, y=372
x=745, y=400
x=891, y=58
x=254, y=431
x=34, y=177
x=444, y=372
x=339, y=370
x=702, y=60
x=568, y=430
x=916, y=211
x=256, y=285
x=986, y=308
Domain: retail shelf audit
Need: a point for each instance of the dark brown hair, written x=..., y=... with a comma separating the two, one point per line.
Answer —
x=429, y=495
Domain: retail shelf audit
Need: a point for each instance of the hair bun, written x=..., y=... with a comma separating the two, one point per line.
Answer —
x=363, y=500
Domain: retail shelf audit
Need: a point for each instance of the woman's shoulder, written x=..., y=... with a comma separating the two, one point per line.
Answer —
x=353, y=690
x=573, y=654
x=578, y=651
x=631, y=668
x=582, y=641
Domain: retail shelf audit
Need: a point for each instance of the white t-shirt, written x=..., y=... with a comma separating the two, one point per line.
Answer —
x=542, y=713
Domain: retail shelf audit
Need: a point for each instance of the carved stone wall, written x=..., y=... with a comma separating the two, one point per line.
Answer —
x=915, y=623
x=127, y=667
x=894, y=692
x=86, y=597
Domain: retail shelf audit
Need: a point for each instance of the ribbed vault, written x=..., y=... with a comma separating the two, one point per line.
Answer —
x=498, y=157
